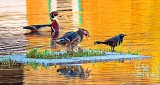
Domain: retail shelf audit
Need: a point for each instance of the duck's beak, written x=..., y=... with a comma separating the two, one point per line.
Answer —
x=87, y=36
x=59, y=16
x=62, y=17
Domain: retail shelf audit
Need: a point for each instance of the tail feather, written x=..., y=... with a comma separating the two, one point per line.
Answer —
x=98, y=42
x=32, y=27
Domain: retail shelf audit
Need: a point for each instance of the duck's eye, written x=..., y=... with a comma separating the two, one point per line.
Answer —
x=52, y=15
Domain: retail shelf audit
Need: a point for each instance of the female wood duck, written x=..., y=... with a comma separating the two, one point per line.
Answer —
x=72, y=39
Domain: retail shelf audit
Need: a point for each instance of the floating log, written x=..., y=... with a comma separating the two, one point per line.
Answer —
x=110, y=56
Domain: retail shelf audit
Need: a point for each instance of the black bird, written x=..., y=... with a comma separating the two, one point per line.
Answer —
x=112, y=42
x=72, y=39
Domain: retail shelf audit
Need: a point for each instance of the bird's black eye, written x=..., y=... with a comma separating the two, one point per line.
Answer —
x=52, y=15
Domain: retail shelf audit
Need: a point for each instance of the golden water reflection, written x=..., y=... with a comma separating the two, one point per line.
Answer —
x=130, y=72
x=139, y=19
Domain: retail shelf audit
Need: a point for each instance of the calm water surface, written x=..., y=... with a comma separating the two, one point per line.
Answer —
x=138, y=19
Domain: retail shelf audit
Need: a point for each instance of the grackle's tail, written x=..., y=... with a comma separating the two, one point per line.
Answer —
x=98, y=42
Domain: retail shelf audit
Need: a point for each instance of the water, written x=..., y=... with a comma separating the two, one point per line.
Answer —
x=103, y=19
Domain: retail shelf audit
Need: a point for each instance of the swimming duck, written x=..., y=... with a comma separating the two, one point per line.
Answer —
x=54, y=27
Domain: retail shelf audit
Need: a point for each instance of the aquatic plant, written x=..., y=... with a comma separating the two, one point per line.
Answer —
x=46, y=54
x=121, y=50
x=137, y=52
x=33, y=64
x=6, y=62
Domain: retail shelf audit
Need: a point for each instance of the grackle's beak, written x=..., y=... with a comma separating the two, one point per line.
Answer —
x=125, y=35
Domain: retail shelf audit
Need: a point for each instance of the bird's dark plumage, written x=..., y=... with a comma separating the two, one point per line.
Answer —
x=72, y=39
x=112, y=42
x=34, y=28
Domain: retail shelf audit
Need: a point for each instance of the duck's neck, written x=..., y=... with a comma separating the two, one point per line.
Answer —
x=55, y=30
x=55, y=26
x=81, y=35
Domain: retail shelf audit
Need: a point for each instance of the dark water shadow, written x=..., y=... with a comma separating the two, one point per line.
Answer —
x=11, y=75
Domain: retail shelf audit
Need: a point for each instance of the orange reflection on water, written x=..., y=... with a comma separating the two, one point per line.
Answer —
x=138, y=19
x=37, y=12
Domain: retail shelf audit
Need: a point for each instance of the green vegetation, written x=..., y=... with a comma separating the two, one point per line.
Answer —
x=136, y=52
x=33, y=64
x=34, y=53
x=46, y=54
x=7, y=63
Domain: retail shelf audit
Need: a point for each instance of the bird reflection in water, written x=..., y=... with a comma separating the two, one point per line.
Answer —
x=74, y=71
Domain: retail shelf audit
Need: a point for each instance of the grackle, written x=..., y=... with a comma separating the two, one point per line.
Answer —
x=112, y=42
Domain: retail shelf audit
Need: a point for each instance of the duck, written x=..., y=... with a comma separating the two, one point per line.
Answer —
x=35, y=28
x=112, y=42
x=55, y=29
x=72, y=39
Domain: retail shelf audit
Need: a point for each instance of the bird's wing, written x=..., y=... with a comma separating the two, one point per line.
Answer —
x=65, y=35
x=70, y=35
x=112, y=41
x=74, y=41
